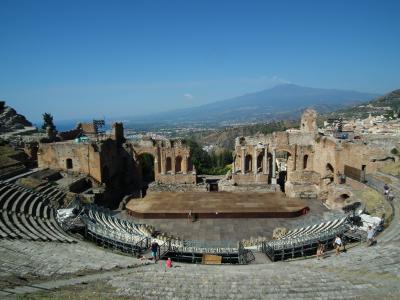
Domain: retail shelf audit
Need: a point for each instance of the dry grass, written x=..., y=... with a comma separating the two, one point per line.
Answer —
x=375, y=203
x=30, y=182
x=392, y=169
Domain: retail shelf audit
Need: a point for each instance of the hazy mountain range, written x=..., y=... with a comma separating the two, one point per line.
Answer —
x=277, y=103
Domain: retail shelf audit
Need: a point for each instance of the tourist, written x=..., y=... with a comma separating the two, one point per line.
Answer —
x=168, y=263
x=154, y=250
x=370, y=236
x=320, y=250
x=386, y=190
x=337, y=244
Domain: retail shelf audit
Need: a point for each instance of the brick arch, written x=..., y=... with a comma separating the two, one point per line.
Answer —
x=152, y=151
x=284, y=149
x=178, y=164
x=147, y=150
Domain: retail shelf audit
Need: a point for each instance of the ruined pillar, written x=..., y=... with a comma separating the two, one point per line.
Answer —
x=163, y=162
x=273, y=180
x=265, y=161
x=255, y=161
x=185, y=165
x=155, y=167
x=173, y=161
x=243, y=160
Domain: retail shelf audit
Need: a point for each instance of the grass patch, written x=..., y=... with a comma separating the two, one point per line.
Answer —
x=392, y=169
x=375, y=204
x=9, y=165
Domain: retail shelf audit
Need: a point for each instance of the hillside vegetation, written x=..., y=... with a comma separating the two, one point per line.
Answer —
x=388, y=104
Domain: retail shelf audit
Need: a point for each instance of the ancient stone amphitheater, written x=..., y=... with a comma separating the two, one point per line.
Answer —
x=38, y=258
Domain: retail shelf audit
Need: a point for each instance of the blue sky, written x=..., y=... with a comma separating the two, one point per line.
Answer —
x=80, y=59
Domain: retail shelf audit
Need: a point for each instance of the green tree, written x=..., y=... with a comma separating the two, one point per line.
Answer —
x=215, y=163
x=200, y=158
x=48, y=122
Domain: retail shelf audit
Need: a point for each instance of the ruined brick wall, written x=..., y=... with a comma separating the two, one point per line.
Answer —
x=355, y=154
x=324, y=157
x=70, y=156
x=309, y=121
x=172, y=160
x=88, y=128
x=255, y=155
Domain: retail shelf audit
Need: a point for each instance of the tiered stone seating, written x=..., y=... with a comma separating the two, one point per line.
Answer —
x=25, y=214
x=53, y=194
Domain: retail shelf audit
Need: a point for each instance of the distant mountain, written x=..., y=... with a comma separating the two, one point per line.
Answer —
x=386, y=104
x=391, y=99
x=277, y=103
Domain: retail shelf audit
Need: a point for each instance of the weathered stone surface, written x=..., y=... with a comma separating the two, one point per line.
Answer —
x=10, y=120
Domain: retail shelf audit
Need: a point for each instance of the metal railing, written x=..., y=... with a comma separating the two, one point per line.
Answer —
x=301, y=246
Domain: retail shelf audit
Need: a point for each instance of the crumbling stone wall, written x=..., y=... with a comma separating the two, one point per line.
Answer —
x=112, y=158
x=313, y=162
x=70, y=156
x=309, y=121
x=172, y=160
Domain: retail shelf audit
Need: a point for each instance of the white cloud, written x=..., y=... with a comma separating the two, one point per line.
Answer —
x=188, y=96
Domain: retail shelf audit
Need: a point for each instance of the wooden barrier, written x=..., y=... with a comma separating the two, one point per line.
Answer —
x=209, y=259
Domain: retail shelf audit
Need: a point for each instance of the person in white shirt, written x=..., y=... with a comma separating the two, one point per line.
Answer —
x=370, y=235
x=337, y=244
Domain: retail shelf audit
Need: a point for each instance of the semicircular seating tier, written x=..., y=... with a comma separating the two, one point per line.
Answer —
x=26, y=214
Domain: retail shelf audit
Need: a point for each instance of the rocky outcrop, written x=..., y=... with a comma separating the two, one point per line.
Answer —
x=10, y=120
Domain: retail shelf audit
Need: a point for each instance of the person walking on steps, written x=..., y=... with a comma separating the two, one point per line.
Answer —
x=154, y=250
x=370, y=236
x=320, y=250
x=386, y=190
x=337, y=244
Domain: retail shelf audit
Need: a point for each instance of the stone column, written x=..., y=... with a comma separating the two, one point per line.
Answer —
x=185, y=165
x=265, y=161
x=273, y=180
x=155, y=167
x=163, y=162
x=173, y=161
x=255, y=161
x=243, y=160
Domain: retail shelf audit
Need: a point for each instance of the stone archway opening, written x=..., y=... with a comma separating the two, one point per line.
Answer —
x=305, y=161
x=69, y=164
x=178, y=164
x=283, y=165
x=260, y=160
x=146, y=163
x=248, y=163
x=330, y=173
x=168, y=165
